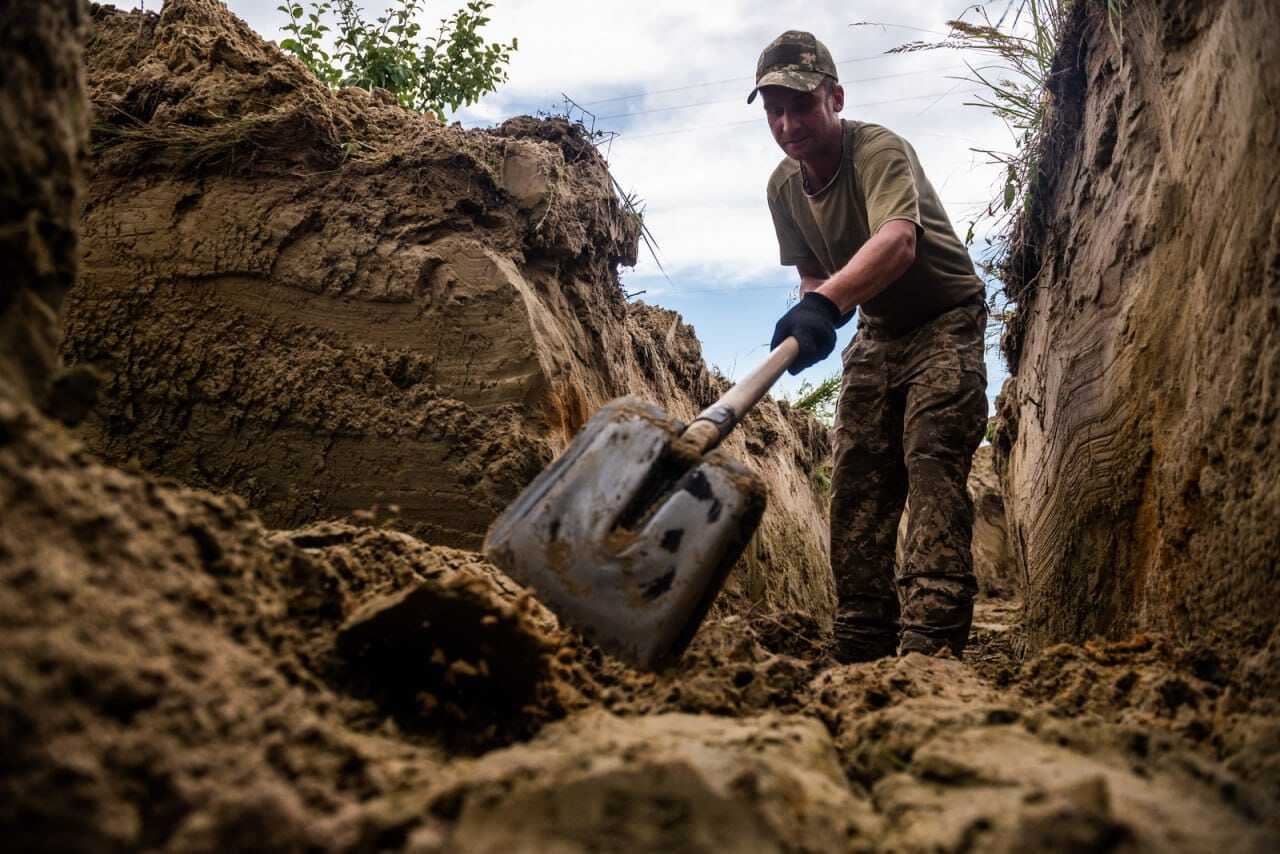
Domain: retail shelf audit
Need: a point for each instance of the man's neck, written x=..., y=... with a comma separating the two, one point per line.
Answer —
x=820, y=169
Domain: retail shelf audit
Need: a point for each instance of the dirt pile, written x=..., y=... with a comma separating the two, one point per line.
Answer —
x=669, y=782
x=1140, y=453
x=954, y=762
x=173, y=675
x=1159, y=695
x=176, y=675
x=323, y=303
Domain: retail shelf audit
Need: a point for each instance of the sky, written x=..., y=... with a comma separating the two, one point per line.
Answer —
x=666, y=81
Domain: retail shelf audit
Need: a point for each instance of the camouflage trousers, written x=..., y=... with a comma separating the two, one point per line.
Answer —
x=912, y=411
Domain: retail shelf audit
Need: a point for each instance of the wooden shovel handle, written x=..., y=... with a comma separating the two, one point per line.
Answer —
x=715, y=422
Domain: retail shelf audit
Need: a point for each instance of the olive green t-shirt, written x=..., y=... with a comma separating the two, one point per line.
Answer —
x=879, y=179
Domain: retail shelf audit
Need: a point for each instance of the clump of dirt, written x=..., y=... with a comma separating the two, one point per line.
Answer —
x=881, y=713
x=163, y=651
x=1161, y=697
x=1143, y=675
x=735, y=665
x=402, y=647
x=667, y=782
x=435, y=638
x=192, y=88
x=954, y=762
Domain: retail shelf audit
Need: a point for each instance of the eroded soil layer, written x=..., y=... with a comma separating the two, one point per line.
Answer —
x=1140, y=448
x=42, y=139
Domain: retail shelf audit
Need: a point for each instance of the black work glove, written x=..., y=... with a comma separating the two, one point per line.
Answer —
x=812, y=322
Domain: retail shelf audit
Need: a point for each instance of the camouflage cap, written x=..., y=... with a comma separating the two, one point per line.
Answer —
x=795, y=59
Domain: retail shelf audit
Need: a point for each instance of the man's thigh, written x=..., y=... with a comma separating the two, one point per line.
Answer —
x=944, y=421
x=868, y=480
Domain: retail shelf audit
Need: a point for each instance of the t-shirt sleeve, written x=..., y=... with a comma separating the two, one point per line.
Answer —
x=890, y=186
x=792, y=248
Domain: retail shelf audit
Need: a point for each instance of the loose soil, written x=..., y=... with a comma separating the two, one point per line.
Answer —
x=177, y=676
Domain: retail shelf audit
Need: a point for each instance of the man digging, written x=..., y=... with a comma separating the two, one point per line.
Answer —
x=858, y=219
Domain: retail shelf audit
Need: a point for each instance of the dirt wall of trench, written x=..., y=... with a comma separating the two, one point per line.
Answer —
x=1140, y=451
x=43, y=126
x=324, y=303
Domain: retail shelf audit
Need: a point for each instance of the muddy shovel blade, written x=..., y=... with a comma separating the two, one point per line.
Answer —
x=626, y=541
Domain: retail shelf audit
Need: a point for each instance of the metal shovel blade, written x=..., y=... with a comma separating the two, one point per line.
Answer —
x=625, y=540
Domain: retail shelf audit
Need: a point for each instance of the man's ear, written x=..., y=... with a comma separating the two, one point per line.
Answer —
x=837, y=97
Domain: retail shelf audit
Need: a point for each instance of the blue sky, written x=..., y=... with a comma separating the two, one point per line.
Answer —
x=670, y=79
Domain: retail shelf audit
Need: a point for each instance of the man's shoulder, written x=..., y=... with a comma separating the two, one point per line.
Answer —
x=786, y=171
x=870, y=139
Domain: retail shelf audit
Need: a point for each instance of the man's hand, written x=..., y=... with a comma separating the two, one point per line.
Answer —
x=812, y=322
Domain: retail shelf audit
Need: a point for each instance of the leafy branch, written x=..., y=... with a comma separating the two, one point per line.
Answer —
x=438, y=73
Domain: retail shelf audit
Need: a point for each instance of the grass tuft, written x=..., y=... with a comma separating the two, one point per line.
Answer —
x=1016, y=81
x=1018, y=49
x=818, y=400
x=236, y=144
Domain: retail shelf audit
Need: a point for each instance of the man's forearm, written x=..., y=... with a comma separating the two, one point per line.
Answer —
x=810, y=282
x=878, y=264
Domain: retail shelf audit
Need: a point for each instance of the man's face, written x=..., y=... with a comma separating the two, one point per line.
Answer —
x=803, y=123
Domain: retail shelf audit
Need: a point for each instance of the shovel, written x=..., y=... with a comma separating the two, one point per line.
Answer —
x=629, y=534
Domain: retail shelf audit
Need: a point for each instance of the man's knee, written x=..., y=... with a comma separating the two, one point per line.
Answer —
x=939, y=542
